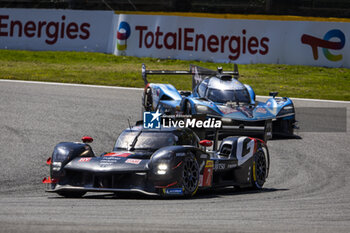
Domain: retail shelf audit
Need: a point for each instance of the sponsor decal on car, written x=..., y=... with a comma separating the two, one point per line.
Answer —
x=200, y=183
x=210, y=163
x=118, y=154
x=181, y=154
x=231, y=165
x=254, y=174
x=201, y=166
x=261, y=110
x=207, y=177
x=133, y=161
x=84, y=159
x=219, y=166
x=174, y=191
x=107, y=161
x=247, y=148
x=227, y=110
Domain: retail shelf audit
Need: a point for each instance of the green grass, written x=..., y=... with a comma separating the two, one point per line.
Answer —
x=106, y=69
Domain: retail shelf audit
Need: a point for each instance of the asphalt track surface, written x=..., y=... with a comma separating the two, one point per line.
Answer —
x=308, y=189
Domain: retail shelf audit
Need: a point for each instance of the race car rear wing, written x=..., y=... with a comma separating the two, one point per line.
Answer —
x=262, y=131
x=198, y=73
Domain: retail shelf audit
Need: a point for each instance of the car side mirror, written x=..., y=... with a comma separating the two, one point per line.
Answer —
x=87, y=139
x=206, y=143
x=273, y=93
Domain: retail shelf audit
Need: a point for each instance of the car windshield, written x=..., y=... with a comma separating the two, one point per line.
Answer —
x=145, y=140
x=223, y=96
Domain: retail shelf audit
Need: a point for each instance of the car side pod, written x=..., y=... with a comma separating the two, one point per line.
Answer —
x=87, y=139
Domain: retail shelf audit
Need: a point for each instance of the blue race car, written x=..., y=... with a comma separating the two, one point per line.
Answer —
x=220, y=95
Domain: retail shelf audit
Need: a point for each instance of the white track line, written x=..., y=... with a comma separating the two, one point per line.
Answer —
x=312, y=100
x=69, y=84
x=136, y=88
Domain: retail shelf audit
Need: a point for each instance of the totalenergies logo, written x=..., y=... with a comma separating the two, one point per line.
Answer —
x=123, y=34
x=326, y=44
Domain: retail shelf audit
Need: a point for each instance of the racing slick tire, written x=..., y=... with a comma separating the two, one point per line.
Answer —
x=71, y=194
x=188, y=109
x=260, y=169
x=190, y=176
x=146, y=103
x=148, y=100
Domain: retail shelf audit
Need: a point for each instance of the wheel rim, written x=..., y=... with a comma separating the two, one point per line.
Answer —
x=260, y=168
x=190, y=175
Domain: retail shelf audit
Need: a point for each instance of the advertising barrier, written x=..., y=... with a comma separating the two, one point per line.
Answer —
x=241, y=41
x=72, y=30
x=281, y=40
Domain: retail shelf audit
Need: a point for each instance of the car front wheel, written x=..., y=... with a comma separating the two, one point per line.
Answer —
x=259, y=173
x=190, y=176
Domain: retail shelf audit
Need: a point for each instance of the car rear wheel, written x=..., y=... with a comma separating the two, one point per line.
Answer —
x=190, y=176
x=148, y=100
x=259, y=169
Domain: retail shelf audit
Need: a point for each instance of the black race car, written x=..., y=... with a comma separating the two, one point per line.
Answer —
x=166, y=162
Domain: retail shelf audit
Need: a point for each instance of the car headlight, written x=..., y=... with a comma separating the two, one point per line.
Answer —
x=56, y=166
x=226, y=120
x=162, y=169
x=286, y=110
x=202, y=109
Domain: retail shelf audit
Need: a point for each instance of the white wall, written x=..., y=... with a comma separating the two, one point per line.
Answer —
x=241, y=41
x=231, y=40
x=36, y=29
